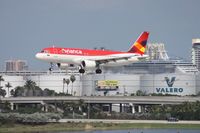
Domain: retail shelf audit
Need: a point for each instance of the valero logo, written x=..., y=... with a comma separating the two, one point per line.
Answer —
x=170, y=88
x=170, y=82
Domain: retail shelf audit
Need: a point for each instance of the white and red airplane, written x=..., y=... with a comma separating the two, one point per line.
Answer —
x=94, y=59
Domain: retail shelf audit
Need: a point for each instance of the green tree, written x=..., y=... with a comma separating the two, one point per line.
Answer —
x=38, y=91
x=72, y=79
x=197, y=110
x=31, y=88
x=184, y=111
x=48, y=92
x=12, y=92
x=8, y=85
x=1, y=79
x=82, y=105
x=2, y=92
x=67, y=81
x=18, y=91
x=6, y=106
x=140, y=93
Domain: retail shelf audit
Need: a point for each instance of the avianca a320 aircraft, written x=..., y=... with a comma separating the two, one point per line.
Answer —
x=94, y=59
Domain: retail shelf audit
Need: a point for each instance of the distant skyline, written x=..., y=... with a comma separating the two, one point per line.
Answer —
x=27, y=26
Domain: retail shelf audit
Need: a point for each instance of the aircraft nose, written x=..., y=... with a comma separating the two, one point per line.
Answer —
x=38, y=56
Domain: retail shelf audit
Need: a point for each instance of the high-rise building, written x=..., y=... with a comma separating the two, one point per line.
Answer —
x=16, y=65
x=196, y=52
x=156, y=51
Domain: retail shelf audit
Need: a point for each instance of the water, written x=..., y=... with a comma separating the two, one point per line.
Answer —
x=137, y=131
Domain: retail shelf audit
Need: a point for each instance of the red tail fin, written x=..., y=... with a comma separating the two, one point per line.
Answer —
x=140, y=44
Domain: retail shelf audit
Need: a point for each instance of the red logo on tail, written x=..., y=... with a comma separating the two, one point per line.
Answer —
x=140, y=44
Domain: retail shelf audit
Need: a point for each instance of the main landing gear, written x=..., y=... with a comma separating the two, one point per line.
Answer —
x=98, y=71
x=82, y=71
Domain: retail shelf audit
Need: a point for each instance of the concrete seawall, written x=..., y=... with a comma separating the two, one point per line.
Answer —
x=126, y=121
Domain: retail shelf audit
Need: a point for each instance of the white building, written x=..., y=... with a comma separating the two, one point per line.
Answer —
x=16, y=65
x=196, y=52
x=176, y=78
x=156, y=51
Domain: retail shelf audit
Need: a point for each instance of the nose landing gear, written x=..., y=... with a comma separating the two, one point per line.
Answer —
x=51, y=67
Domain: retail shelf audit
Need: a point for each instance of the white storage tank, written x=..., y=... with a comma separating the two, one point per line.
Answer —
x=110, y=84
x=175, y=84
x=197, y=84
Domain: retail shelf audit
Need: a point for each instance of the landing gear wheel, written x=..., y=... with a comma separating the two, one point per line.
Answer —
x=51, y=67
x=98, y=71
x=81, y=71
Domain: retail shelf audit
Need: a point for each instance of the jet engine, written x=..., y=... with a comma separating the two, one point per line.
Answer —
x=64, y=66
x=87, y=64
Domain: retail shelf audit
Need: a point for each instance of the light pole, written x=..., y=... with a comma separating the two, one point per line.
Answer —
x=64, y=85
x=124, y=86
x=88, y=110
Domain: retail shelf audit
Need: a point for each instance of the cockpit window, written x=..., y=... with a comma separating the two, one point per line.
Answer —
x=44, y=51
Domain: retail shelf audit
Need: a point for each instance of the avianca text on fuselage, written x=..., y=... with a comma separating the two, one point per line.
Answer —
x=94, y=59
x=71, y=51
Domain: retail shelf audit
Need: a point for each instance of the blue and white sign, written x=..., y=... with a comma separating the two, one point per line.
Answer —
x=171, y=83
x=170, y=88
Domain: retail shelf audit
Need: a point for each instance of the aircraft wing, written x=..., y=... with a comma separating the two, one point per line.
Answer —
x=115, y=59
x=105, y=60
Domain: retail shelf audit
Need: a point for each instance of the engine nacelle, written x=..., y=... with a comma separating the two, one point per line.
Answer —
x=88, y=64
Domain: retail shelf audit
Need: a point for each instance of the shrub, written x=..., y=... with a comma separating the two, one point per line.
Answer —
x=36, y=118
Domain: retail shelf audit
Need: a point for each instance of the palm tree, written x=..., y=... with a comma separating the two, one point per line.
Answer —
x=8, y=85
x=72, y=79
x=67, y=81
x=12, y=92
x=2, y=91
x=30, y=86
x=30, y=83
x=1, y=79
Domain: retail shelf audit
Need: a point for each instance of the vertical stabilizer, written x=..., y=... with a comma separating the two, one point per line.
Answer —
x=139, y=45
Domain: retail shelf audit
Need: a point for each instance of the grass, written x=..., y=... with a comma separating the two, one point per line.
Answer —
x=18, y=128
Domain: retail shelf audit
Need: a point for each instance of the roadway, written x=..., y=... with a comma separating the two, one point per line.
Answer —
x=105, y=99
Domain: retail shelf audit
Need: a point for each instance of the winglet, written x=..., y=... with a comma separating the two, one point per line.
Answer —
x=139, y=45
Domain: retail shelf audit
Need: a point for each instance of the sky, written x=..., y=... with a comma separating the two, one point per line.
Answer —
x=27, y=26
